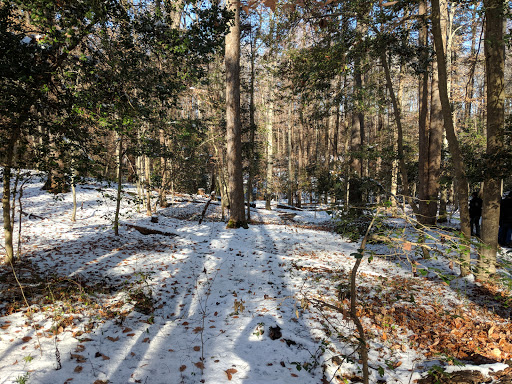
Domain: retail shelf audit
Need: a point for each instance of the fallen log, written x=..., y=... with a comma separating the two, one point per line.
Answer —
x=284, y=206
x=150, y=231
x=31, y=215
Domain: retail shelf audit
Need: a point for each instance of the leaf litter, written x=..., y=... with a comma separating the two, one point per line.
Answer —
x=200, y=306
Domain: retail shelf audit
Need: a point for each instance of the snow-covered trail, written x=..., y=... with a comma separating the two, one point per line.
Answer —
x=211, y=304
x=216, y=293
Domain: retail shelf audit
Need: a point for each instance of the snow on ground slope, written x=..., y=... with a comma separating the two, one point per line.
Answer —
x=214, y=305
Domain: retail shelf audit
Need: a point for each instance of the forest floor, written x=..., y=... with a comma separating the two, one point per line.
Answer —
x=268, y=304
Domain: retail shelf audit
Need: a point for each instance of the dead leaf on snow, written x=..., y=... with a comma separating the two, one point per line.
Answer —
x=182, y=368
x=78, y=369
x=199, y=365
x=113, y=338
x=197, y=329
x=230, y=372
x=26, y=339
x=197, y=348
x=78, y=358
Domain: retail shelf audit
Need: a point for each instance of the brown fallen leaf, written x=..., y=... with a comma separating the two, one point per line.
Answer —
x=197, y=348
x=199, y=365
x=182, y=368
x=146, y=340
x=26, y=339
x=294, y=375
x=113, y=338
x=78, y=358
x=496, y=353
x=230, y=372
x=78, y=369
x=126, y=330
x=197, y=329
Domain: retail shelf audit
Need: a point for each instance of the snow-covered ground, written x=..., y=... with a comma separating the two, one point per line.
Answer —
x=217, y=305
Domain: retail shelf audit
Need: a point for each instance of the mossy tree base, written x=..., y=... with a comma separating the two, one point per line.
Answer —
x=232, y=224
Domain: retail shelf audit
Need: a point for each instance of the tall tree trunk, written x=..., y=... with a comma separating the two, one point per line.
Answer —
x=430, y=137
x=398, y=121
x=163, y=172
x=6, y=209
x=289, y=152
x=270, y=146
x=119, y=153
x=473, y=58
x=8, y=163
x=494, y=65
x=73, y=191
x=252, y=127
x=233, y=126
x=358, y=130
x=453, y=143
x=147, y=169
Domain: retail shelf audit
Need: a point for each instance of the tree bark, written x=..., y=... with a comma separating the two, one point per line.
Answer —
x=147, y=169
x=468, y=99
x=494, y=65
x=6, y=209
x=398, y=121
x=119, y=182
x=233, y=126
x=289, y=150
x=453, y=143
x=252, y=128
x=270, y=147
x=163, y=172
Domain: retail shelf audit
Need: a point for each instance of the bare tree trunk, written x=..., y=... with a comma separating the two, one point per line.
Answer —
x=302, y=158
x=6, y=209
x=453, y=143
x=147, y=168
x=6, y=196
x=119, y=153
x=73, y=190
x=140, y=181
x=398, y=121
x=252, y=128
x=163, y=173
x=233, y=126
x=430, y=137
x=473, y=58
x=270, y=147
x=494, y=65
x=289, y=150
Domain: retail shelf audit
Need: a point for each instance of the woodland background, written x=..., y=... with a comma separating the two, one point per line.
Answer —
x=347, y=103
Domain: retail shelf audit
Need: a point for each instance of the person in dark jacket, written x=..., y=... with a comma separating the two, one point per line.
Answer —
x=475, y=212
x=505, y=231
